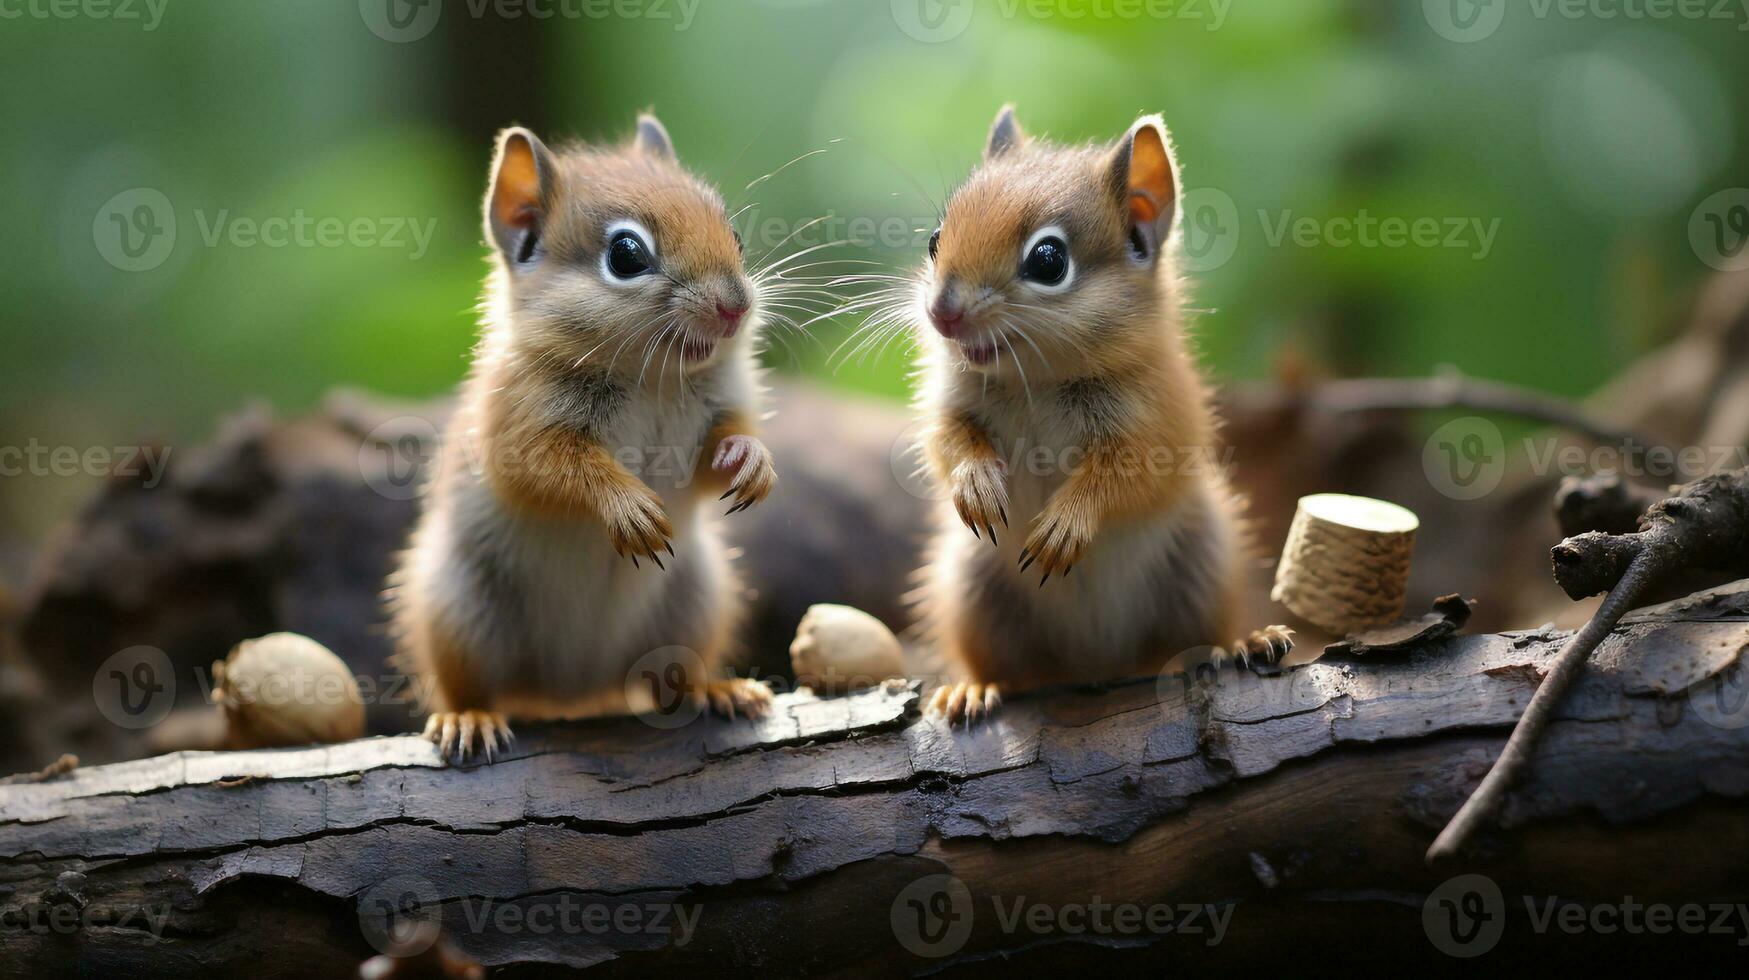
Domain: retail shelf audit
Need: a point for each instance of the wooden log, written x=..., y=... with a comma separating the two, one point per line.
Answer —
x=1228, y=819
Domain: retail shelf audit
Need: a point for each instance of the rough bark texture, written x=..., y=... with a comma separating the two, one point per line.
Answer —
x=1298, y=805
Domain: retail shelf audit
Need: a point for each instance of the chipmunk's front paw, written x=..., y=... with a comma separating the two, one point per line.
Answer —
x=741, y=697
x=455, y=733
x=750, y=462
x=639, y=528
x=1057, y=542
x=967, y=702
x=980, y=494
x=1267, y=645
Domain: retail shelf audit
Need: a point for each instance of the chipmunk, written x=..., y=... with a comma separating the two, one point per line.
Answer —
x=612, y=396
x=1059, y=396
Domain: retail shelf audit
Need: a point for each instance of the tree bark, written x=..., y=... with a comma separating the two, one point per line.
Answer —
x=1248, y=820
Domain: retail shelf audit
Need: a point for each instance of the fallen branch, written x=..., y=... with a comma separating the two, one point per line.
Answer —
x=1451, y=390
x=1706, y=525
x=1294, y=808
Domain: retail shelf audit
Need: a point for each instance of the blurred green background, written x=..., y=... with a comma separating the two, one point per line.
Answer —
x=1586, y=142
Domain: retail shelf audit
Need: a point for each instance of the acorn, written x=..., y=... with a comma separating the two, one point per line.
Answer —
x=838, y=649
x=286, y=689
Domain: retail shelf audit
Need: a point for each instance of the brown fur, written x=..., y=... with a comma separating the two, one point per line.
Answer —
x=1098, y=374
x=562, y=536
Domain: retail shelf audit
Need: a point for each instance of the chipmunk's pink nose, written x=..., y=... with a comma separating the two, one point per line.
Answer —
x=946, y=315
x=731, y=314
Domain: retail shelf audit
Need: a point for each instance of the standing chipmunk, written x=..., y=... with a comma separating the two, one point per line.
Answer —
x=563, y=539
x=1060, y=396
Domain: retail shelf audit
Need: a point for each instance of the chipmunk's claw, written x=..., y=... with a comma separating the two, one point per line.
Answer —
x=980, y=493
x=455, y=733
x=965, y=702
x=1267, y=645
x=734, y=697
x=748, y=463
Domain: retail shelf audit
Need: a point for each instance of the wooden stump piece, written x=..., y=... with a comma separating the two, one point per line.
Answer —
x=1345, y=565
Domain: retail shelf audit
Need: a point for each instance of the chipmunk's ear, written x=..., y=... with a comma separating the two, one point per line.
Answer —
x=1144, y=178
x=1005, y=134
x=653, y=138
x=522, y=186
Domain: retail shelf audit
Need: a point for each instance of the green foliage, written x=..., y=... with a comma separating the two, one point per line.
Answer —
x=1588, y=141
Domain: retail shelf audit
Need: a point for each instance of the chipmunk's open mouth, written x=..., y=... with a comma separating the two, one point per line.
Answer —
x=695, y=348
x=981, y=351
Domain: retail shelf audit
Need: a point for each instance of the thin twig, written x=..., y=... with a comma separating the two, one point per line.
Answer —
x=1705, y=525
x=1451, y=390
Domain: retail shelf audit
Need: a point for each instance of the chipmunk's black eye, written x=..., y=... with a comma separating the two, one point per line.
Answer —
x=934, y=244
x=627, y=255
x=1047, y=263
x=525, y=248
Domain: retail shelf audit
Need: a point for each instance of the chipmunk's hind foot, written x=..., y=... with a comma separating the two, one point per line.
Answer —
x=965, y=702
x=738, y=697
x=456, y=731
x=1265, y=646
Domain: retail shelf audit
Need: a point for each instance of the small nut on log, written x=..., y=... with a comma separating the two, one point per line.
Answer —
x=286, y=689
x=839, y=649
x=1346, y=562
